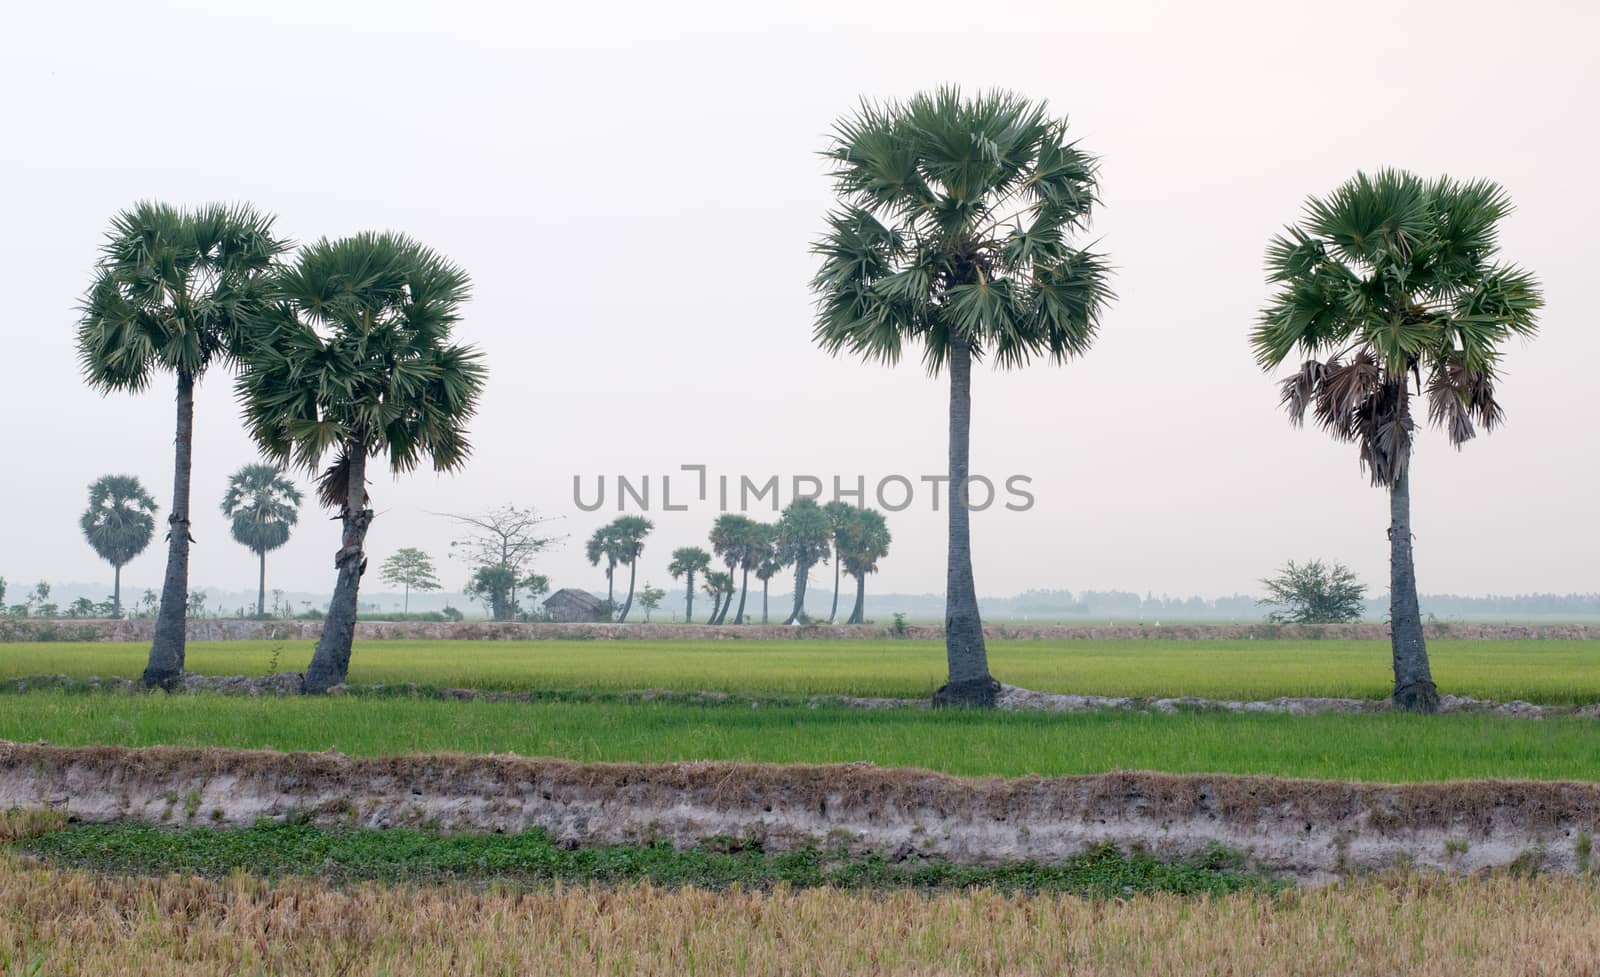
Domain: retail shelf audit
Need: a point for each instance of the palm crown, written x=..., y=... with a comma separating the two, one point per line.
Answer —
x=1390, y=278
x=688, y=560
x=120, y=518
x=955, y=216
x=355, y=351
x=863, y=541
x=802, y=533
x=173, y=290
x=263, y=504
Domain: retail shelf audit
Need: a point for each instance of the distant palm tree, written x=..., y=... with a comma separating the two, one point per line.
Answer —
x=802, y=540
x=863, y=541
x=736, y=538
x=118, y=523
x=173, y=292
x=769, y=562
x=264, y=505
x=355, y=360
x=603, y=546
x=953, y=232
x=719, y=587
x=628, y=533
x=838, y=514
x=1391, y=277
x=686, y=562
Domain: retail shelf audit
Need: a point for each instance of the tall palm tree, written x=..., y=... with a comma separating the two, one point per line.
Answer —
x=953, y=231
x=355, y=360
x=173, y=292
x=838, y=513
x=264, y=505
x=118, y=523
x=736, y=539
x=803, y=536
x=864, y=540
x=1388, y=279
x=769, y=562
x=629, y=532
x=686, y=562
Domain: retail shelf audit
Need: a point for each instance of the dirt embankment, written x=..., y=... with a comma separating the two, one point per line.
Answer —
x=231, y=629
x=1313, y=830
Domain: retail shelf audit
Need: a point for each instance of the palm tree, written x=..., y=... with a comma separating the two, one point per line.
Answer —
x=803, y=536
x=1389, y=278
x=173, y=291
x=769, y=562
x=838, y=513
x=864, y=540
x=686, y=562
x=602, y=546
x=355, y=360
x=628, y=533
x=119, y=522
x=736, y=538
x=263, y=504
x=718, y=586
x=952, y=231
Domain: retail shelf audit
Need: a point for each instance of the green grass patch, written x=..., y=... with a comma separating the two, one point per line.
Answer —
x=1375, y=747
x=1554, y=672
x=274, y=849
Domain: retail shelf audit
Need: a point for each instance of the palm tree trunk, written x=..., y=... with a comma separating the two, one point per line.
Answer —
x=1414, y=690
x=970, y=683
x=330, y=664
x=261, y=586
x=744, y=591
x=116, y=591
x=833, y=613
x=859, y=614
x=611, y=584
x=801, y=571
x=633, y=573
x=764, y=585
x=716, y=605
x=688, y=602
x=406, y=605
x=165, y=667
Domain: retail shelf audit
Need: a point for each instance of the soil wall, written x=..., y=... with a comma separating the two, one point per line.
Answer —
x=1313, y=830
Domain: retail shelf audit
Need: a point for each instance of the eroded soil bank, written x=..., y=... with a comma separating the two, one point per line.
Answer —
x=1311, y=830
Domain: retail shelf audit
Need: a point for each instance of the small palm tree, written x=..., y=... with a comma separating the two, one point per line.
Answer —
x=603, y=546
x=627, y=534
x=686, y=562
x=263, y=505
x=1390, y=279
x=718, y=586
x=769, y=562
x=838, y=514
x=864, y=540
x=355, y=360
x=953, y=232
x=173, y=292
x=118, y=523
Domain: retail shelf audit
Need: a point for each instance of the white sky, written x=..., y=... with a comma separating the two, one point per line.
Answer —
x=634, y=187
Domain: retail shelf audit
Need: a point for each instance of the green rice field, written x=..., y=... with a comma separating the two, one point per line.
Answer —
x=1375, y=747
x=1553, y=672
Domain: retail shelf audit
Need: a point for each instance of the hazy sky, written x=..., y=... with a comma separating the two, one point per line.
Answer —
x=633, y=188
